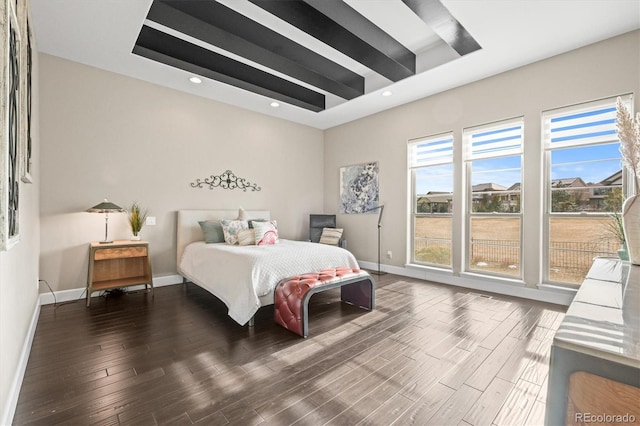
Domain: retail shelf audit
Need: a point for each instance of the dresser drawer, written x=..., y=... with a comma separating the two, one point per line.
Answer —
x=119, y=253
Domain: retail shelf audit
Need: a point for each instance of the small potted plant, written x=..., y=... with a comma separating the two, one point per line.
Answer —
x=615, y=229
x=137, y=217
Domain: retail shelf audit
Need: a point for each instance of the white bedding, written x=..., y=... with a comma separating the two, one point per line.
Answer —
x=240, y=275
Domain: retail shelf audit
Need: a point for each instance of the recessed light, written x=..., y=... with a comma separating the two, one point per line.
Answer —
x=195, y=80
x=387, y=93
x=274, y=104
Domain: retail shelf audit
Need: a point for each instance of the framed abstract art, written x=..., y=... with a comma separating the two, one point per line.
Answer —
x=15, y=87
x=359, y=188
x=26, y=150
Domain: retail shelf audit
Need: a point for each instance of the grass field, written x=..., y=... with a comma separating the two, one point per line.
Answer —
x=574, y=242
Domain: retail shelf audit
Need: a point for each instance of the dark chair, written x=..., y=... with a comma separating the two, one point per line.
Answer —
x=319, y=221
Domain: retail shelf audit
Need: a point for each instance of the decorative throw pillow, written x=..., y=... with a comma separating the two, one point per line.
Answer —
x=242, y=215
x=231, y=229
x=256, y=220
x=266, y=232
x=331, y=236
x=212, y=231
x=246, y=237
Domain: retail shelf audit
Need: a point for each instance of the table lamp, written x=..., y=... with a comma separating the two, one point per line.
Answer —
x=105, y=207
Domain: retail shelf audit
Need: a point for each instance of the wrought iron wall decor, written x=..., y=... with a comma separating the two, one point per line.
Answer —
x=226, y=180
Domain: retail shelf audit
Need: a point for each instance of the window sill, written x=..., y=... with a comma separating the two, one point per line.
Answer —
x=516, y=282
x=493, y=284
x=428, y=268
x=568, y=291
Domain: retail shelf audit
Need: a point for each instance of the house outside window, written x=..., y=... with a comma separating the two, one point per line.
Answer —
x=493, y=161
x=585, y=187
x=431, y=171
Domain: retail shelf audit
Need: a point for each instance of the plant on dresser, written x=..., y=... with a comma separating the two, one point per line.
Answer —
x=137, y=217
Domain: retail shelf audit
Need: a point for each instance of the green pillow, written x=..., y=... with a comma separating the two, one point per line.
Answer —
x=212, y=231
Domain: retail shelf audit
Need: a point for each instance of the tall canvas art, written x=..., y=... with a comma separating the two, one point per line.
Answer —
x=15, y=113
x=359, y=188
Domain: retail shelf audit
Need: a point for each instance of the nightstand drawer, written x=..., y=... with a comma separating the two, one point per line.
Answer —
x=119, y=253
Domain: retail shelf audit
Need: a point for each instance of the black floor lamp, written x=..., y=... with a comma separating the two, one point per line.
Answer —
x=381, y=208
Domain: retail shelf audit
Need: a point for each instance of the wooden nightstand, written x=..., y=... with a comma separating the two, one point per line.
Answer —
x=118, y=264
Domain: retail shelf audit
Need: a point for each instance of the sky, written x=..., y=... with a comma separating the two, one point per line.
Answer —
x=591, y=163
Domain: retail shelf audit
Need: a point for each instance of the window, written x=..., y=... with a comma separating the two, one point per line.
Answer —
x=431, y=168
x=493, y=157
x=584, y=187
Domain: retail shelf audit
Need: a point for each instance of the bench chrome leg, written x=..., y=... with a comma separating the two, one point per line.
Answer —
x=361, y=294
x=252, y=321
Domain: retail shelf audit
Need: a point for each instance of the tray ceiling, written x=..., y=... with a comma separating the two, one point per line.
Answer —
x=213, y=40
x=325, y=62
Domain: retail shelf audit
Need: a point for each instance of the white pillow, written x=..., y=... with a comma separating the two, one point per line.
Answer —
x=266, y=232
x=246, y=237
x=242, y=215
x=331, y=236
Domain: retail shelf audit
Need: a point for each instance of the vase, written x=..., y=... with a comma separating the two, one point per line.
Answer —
x=135, y=237
x=631, y=225
x=623, y=254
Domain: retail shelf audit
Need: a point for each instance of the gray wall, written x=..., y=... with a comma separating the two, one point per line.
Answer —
x=604, y=69
x=106, y=135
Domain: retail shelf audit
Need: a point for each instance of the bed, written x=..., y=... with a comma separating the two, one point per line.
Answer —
x=244, y=277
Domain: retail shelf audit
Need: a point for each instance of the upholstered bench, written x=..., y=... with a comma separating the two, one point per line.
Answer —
x=292, y=294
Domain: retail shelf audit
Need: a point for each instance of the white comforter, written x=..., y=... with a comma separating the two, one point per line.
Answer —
x=240, y=275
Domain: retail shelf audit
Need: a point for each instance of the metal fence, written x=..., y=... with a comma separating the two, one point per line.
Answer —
x=562, y=255
x=579, y=255
x=423, y=243
x=495, y=252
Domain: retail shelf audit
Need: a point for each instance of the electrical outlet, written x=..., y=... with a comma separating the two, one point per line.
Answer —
x=389, y=255
x=151, y=220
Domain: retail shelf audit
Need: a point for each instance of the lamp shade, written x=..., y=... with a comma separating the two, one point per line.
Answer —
x=379, y=206
x=105, y=207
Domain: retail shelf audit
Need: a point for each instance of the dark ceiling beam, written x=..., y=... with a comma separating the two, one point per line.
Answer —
x=220, y=26
x=161, y=47
x=345, y=16
x=444, y=24
x=315, y=23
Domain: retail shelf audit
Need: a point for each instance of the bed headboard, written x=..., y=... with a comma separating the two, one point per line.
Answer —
x=189, y=231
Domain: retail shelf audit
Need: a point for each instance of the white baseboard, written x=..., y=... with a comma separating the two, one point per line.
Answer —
x=77, y=293
x=493, y=285
x=9, y=410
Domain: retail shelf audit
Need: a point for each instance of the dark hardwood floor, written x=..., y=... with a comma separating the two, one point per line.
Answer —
x=428, y=354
